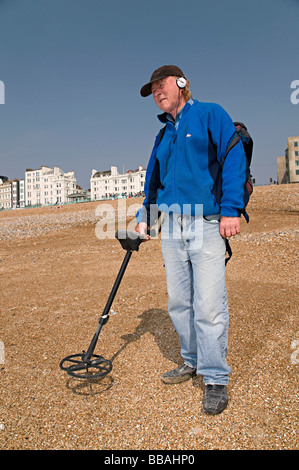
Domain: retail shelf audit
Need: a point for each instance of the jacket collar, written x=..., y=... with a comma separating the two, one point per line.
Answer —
x=166, y=117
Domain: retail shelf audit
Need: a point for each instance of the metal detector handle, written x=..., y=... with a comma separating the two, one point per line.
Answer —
x=129, y=240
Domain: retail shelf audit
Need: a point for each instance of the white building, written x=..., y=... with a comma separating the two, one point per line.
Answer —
x=22, y=193
x=12, y=194
x=9, y=193
x=107, y=184
x=15, y=193
x=5, y=194
x=48, y=186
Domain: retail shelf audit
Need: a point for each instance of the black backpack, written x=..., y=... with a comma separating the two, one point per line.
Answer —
x=241, y=133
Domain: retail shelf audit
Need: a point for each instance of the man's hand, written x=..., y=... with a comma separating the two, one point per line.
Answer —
x=229, y=226
x=142, y=228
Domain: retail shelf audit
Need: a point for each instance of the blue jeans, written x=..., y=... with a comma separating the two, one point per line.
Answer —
x=194, y=256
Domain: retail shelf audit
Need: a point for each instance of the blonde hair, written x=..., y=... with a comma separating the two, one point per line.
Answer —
x=186, y=92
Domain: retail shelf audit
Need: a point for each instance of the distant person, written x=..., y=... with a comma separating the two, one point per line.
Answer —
x=183, y=175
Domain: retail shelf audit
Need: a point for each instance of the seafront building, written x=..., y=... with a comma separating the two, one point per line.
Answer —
x=21, y=193
x=5, y=193
x=41, y=187
x=111, y=184
x=9, y=193
x=48, y=186
x=288, y=166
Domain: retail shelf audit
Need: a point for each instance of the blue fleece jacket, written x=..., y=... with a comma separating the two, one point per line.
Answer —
x=184, y=168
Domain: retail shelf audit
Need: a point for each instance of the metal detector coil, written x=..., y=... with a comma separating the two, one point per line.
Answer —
x=87, y=365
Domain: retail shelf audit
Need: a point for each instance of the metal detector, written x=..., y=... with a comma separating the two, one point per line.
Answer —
x=87, y=365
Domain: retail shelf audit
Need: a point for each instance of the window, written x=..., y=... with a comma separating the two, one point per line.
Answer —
x=296, y=143
x=297, y=172
x=296, y=153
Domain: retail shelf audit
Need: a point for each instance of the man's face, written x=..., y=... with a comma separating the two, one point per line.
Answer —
x=166, y=95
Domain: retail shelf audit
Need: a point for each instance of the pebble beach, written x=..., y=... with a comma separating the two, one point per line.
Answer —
x=56, y=275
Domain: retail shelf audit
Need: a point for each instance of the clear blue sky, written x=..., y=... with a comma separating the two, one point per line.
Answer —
x=73, y=69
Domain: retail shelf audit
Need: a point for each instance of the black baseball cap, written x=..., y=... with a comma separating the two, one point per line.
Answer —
x=161, y=72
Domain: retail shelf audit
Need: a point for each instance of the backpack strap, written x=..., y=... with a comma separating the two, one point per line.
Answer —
x=162, y=132
x=228, y=251
x=236, y=138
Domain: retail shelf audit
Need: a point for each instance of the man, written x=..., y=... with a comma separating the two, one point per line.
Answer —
x=201, y=206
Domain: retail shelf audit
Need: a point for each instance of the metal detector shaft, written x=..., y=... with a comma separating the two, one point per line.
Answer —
x=87, y=365
x=105, y=315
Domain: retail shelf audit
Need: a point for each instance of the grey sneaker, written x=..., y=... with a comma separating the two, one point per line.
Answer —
x=215, y=399
x=178, y=375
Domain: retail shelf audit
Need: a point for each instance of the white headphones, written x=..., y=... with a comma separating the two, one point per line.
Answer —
x=181, y=82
